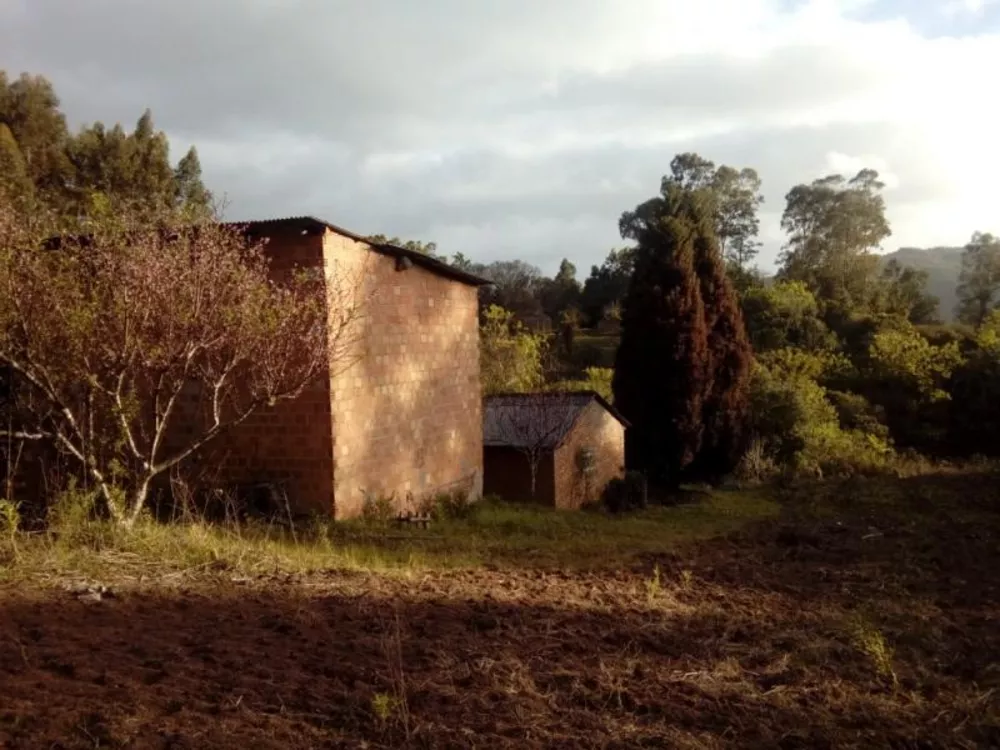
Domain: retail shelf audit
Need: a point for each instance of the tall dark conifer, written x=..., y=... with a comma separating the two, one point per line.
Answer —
x=730, y=357
x=683, y=366
x=661, y=365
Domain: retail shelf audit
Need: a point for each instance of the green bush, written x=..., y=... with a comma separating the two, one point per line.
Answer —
x=626, y=493
x=856, y=413
x=455, y=506
x=800, y=429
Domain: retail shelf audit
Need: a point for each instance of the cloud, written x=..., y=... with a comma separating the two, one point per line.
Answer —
x=970, y=7
x=524, y=128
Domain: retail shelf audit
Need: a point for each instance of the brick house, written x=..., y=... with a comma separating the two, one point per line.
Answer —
x=404, y=419
x=575, y=442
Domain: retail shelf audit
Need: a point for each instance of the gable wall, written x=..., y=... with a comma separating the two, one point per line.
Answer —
x=597, y=429
x=407, y=411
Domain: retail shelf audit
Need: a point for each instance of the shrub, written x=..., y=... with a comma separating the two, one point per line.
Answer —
x=757, y=463
x=856, y=413
x=785, y=314
x=801, y=429
x=626, y=493
x=378, y=509
x=598, y=379
x=455, y=505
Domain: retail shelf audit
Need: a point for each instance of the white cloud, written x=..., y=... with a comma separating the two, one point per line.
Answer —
x=969, y=7
x=524, y=128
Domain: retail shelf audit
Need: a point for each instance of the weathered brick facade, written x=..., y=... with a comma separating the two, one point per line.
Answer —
x=584, y=447
x=400, y=412
x=407, y=417
x=598, y=431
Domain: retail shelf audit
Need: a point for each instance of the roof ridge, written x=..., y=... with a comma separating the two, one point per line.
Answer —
x=433, y=265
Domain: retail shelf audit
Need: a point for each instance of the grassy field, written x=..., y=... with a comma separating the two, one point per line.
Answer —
x=857, y=614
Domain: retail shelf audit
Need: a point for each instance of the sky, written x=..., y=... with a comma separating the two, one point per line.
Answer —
x=524, y=128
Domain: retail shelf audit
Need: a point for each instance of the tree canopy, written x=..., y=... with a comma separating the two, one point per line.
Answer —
x=834, y=227
x=979, y=281
x=683, y=365
x=85, y=175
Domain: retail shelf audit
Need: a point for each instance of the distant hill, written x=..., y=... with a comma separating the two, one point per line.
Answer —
x=943, y=265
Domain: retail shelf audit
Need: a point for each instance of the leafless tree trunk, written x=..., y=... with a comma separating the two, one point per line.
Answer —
x=534, y=424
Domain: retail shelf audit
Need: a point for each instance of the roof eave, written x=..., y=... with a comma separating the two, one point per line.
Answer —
x=425, y=261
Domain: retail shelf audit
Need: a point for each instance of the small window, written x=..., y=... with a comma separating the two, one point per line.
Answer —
x=586, y=460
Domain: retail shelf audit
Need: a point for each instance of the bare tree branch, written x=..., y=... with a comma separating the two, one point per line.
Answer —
x=118, y=337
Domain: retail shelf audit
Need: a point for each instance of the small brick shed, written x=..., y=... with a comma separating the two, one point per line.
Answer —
x=404, y=420
x=576, y=438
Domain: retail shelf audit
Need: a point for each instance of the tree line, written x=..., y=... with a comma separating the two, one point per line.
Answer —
x=77, y=177
x=838, y=364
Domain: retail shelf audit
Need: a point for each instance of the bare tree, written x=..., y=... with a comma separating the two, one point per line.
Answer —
x=533, y=423
x=118, y=340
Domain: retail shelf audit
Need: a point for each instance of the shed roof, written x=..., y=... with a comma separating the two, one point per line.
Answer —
x=307, y=223
x=537, y=420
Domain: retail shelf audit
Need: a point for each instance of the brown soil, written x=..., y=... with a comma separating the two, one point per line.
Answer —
x=769, y=639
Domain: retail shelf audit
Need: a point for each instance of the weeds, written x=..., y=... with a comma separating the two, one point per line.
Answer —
x=10, y=523
x=653, y=586
x=394, y=704
x=686, y=580
x=873, y=644
x=378, y=509
x=451, y=506
x=384, y=708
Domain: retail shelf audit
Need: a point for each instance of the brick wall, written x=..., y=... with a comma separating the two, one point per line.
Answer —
x=598, y=430
x=399, y=414
x=291, y=443
x=407, y=414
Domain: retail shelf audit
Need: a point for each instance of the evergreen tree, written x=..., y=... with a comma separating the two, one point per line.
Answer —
x=561, y=292
x=95, y=171
x=607, y=284
x=124, y=168
x=103, y=167
x=150, y=176
x=29, y=108
x=190, y=194
x=661, y=367
x=14, y=180
x=730, y=358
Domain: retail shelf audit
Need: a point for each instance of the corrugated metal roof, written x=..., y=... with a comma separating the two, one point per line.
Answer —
x=536, y=420
x=419, y=259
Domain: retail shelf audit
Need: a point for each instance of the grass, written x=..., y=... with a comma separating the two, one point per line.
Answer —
x=495, y=534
